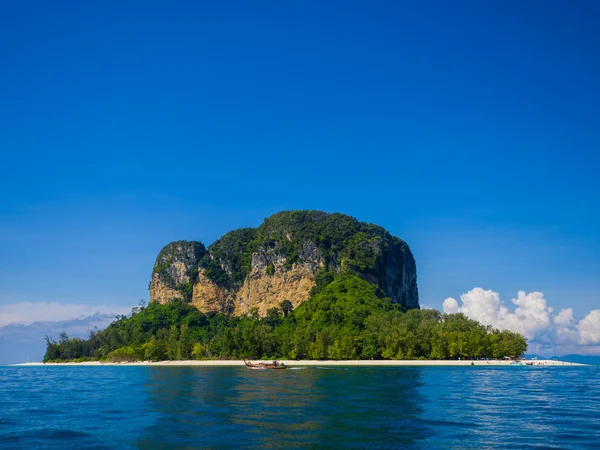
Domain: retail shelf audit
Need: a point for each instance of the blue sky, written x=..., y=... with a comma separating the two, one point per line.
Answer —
x=468, y=129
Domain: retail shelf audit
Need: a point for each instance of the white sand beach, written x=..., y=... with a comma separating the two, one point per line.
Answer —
x=313, y=363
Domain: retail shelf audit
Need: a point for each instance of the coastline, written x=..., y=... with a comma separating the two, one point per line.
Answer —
x=315, y=363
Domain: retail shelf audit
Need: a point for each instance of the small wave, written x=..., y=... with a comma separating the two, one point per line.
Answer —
x=298, y=368
x=8, y=422
x=42, y=435
x=60, y=434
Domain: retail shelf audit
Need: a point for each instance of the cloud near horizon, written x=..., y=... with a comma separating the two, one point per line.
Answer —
x=20, y=342
x=23, y=325
x=26, y=313
x=546, y=331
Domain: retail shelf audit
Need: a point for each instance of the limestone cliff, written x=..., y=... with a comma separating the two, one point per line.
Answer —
x=175, y=271
x=261, y=267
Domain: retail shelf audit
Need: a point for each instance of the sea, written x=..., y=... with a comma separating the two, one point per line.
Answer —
x=111, y=407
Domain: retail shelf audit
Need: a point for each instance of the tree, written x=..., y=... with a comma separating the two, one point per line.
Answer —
x=172, y=342
x=52, y=350
x=287, y=307
x=183, y=345
x=63, y=338
x=198, y=350
x=151, y=350
x=318, y=348
x=273, y=317
x=126, y=353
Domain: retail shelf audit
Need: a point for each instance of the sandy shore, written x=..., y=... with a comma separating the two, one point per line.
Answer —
x=306, y=363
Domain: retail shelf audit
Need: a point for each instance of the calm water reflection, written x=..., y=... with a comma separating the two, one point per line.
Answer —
x=203, y=407
x=324, y=407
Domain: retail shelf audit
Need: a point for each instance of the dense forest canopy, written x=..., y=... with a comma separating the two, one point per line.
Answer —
x=345, y=318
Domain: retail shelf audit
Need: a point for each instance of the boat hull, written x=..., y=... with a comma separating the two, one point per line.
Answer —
x=263, y=366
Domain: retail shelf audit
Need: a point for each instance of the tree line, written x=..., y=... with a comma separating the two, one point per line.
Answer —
x=345, y=318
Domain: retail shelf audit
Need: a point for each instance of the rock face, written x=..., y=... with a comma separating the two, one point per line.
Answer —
x=175, y=270
x=269, y=282
x=260, y=268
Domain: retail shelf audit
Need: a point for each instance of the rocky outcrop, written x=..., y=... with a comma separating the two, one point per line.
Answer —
x=260, y=268
x=175, y=270
x=396, y=272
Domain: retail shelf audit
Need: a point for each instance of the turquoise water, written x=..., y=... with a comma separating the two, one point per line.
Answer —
x=231, y=407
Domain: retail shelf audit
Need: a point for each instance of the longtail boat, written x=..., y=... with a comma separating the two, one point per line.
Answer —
x=265, y=366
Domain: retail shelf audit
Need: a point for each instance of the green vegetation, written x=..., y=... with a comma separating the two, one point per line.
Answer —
x=270, y=269
x=337, y=236
x=340, y=239
x=345, y=318
x=229, y=258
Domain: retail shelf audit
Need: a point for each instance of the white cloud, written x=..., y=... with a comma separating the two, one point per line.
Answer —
x=450, y=305
x=545, y=330
x=589, y=328
x=29, y=312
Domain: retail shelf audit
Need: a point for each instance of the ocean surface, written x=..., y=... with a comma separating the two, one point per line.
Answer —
x=231, y=407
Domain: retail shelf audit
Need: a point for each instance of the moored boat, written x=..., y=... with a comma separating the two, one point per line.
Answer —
x=275, y=365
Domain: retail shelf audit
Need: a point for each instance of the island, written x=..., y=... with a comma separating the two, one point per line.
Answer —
x=304, y=285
